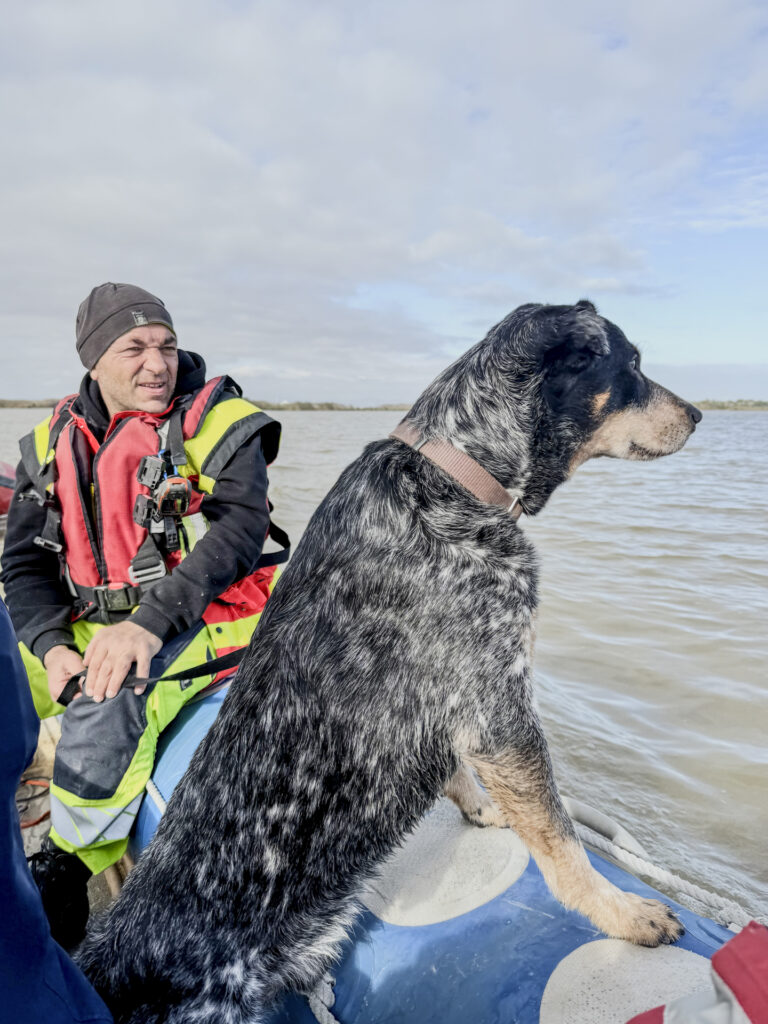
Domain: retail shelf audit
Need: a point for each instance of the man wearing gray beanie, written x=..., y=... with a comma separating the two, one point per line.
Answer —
x=112, y=310
x=135, y=537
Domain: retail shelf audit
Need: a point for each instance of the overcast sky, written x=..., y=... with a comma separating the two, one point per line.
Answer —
x=334, y=199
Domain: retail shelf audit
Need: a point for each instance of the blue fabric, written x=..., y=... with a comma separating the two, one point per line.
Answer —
x=39, y=983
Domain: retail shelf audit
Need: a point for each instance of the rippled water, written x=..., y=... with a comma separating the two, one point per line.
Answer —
x=653, y=633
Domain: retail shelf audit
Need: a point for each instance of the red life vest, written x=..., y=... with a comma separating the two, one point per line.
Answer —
x=94, y=486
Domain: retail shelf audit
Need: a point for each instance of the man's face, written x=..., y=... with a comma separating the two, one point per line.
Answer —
x=138, y=371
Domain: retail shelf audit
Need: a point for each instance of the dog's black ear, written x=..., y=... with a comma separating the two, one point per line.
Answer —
x=577, y=338
x=573, y=334
x=552, y=334
x=579, y=327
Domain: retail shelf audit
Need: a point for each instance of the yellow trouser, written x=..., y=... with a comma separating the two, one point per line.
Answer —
x=106, y=753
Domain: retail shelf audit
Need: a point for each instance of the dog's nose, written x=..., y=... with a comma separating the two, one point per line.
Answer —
x=694, y=413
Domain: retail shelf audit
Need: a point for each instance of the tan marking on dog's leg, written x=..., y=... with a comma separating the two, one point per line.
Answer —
x=598, y=402
x=472, y=800
x=531, y=804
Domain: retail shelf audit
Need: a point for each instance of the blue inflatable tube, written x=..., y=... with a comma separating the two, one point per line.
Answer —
x=460, y=928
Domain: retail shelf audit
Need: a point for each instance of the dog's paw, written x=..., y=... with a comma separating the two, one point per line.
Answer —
x=485, y=814
x=647, y=922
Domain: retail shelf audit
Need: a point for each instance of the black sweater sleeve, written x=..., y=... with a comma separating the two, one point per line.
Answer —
x=238, y=515
x=38, y=599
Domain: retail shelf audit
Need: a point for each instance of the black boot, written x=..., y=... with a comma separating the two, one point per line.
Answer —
x=62, y=879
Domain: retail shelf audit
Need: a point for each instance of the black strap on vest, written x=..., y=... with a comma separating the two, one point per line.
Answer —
x=147, y=565
x=131, y=681
x=175, y=439
x=108, y=603
x=50, y=535
x=40, y=477
x=275, y=557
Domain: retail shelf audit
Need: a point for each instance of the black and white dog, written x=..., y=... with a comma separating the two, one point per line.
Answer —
x=394, y=653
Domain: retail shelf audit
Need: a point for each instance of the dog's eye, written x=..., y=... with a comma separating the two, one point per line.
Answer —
x=579, y=361
x=634, y=363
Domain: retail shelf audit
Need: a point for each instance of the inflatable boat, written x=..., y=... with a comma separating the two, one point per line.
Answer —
x=460, y=928
x=7, y=483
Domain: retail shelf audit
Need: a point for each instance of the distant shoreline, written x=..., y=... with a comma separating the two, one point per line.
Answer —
x=48, y=403
x=27, y=403
x=328, y=406
x=741, y=404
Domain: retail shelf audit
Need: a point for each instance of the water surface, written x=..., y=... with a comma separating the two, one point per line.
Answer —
x=653, y=632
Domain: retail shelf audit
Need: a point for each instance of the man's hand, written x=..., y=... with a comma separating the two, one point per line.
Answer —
x=111, y=653
x=60, y=663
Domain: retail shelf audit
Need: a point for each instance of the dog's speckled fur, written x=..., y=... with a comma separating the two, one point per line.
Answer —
x=395, y=651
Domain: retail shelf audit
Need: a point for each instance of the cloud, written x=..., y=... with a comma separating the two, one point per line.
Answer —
x=745, y=188
x=327, y=192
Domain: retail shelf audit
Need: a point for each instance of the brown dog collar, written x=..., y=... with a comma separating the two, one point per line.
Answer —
x=461, y=467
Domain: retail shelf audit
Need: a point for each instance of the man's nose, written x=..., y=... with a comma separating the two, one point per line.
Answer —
x=153, y=361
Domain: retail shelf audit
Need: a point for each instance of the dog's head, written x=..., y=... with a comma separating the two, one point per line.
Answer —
x=592, y=383
x=547, y=389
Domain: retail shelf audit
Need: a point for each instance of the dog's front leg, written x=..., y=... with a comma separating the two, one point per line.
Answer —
x=521, y=783
x=472, y=800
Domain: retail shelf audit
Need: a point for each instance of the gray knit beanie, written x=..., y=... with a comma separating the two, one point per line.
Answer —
x=110, y=311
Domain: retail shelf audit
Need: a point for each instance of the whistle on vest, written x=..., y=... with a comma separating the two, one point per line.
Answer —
x=172, y=496
x=169, y=496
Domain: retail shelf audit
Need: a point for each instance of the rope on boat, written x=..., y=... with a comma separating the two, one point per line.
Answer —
x=724, y=911
x=157, y=797
x=321, y=999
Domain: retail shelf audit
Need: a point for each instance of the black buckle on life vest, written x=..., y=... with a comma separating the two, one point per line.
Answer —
x=49, y=545
x=120, y=599
x=151, y=471
x=147, y=565
x=50, y=536
x=143, y=511
x=31, y=495
x=142, y=575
